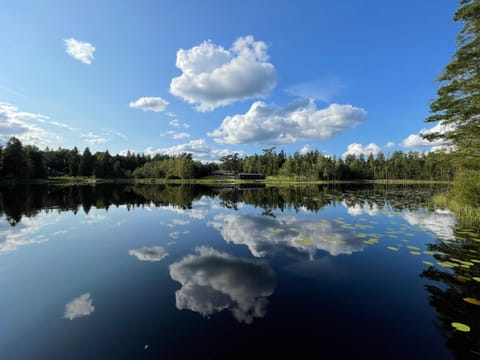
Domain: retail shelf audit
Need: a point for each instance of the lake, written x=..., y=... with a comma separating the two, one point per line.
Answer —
x=155, y=271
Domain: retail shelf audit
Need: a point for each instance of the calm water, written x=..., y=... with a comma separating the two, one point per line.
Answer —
x=149, y=272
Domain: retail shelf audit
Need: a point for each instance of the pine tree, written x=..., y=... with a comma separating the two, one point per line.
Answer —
x=457, y=106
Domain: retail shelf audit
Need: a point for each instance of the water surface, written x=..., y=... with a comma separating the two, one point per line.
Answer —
x=158, y=271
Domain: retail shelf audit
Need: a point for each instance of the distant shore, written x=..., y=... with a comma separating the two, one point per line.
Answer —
x=212, y=180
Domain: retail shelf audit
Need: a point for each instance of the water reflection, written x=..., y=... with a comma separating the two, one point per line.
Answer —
x=154, y=253
x=455, y=283
x=192, y=200
x=291, y=234
x=79, y=307
x=213, y=281
x=439, y=222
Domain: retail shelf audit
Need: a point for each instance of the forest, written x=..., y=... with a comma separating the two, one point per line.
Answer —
x=29, y=162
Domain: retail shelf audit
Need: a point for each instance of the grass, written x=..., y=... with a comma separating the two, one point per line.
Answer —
x=468, y=216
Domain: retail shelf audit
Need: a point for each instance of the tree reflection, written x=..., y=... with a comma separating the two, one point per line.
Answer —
x=29, y=200
x=455, y=278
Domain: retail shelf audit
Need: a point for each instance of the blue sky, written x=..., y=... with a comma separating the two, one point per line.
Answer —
x=216, y=77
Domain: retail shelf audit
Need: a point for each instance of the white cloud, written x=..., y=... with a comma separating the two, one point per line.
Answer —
x=176, y=135
x=176, y=234
x=300, y=120
x=156, y=104
x=390, y=144
x=214, y=281
x=213, y=76
x=199, y=149
x=176, y=123
x=94, y=139
x=416, y=140
x=80, y=50
x=358, y=149
x=305, y=149
x=154, y=253
x=300, y=237
x=79, y=307
x=14, y=122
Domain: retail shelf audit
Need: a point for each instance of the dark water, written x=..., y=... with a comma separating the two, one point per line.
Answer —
x=150, y=272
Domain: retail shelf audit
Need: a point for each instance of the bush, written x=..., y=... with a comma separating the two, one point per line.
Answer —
x=466, y=188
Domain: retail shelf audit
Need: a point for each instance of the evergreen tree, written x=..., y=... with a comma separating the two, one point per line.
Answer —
x=457, y=106
x=87, y=163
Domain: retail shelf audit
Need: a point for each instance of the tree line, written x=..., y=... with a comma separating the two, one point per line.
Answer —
x=313, y=165
x=29, y=162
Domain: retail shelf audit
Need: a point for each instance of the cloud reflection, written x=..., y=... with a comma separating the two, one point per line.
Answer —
x=440, y=222
x=213, y=281
x=79, y=307
x=266, y=235
x=154, y=253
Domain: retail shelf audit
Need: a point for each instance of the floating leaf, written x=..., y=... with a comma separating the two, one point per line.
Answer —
x=429, y=263
x=476, y=279
x=304, y=240
x=411, y=247
x=462, y=278
x=415, y=252
x=409, y=234
x=461, y=327
x=472, y=301
x=278, y=231
x=475, y=261
x=293, y=229
x=393, y=248
x=429, y=252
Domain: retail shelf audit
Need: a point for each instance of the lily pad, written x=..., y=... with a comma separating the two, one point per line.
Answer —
x=415, y=252
x=304, y=240
x=411, y=247
x=429, y=263
x=476, y=279
x=278, y=231
x=393, y=248
x=461, y=327
x=472, y=301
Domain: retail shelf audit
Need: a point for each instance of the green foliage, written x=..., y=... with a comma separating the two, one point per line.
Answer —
x=458, y=99
x=466, y=188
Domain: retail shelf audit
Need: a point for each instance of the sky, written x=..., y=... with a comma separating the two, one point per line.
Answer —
x=217, y=77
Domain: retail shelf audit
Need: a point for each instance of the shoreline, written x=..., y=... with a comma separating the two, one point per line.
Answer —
x=213, y=181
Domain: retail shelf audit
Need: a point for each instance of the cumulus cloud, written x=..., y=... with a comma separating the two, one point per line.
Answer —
x=156, y=104
x=300, y=120
x=305, y=149
x=440, y=222
x=14, y=122
x=213, y=76
x=154, y=253
x=79, y=307
x=80, y=50
x=199, y=149
x=178, y=124
x=213, y=281
x=416, y=140
x=94, y=139
x=285, y=233
x=358, y=149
